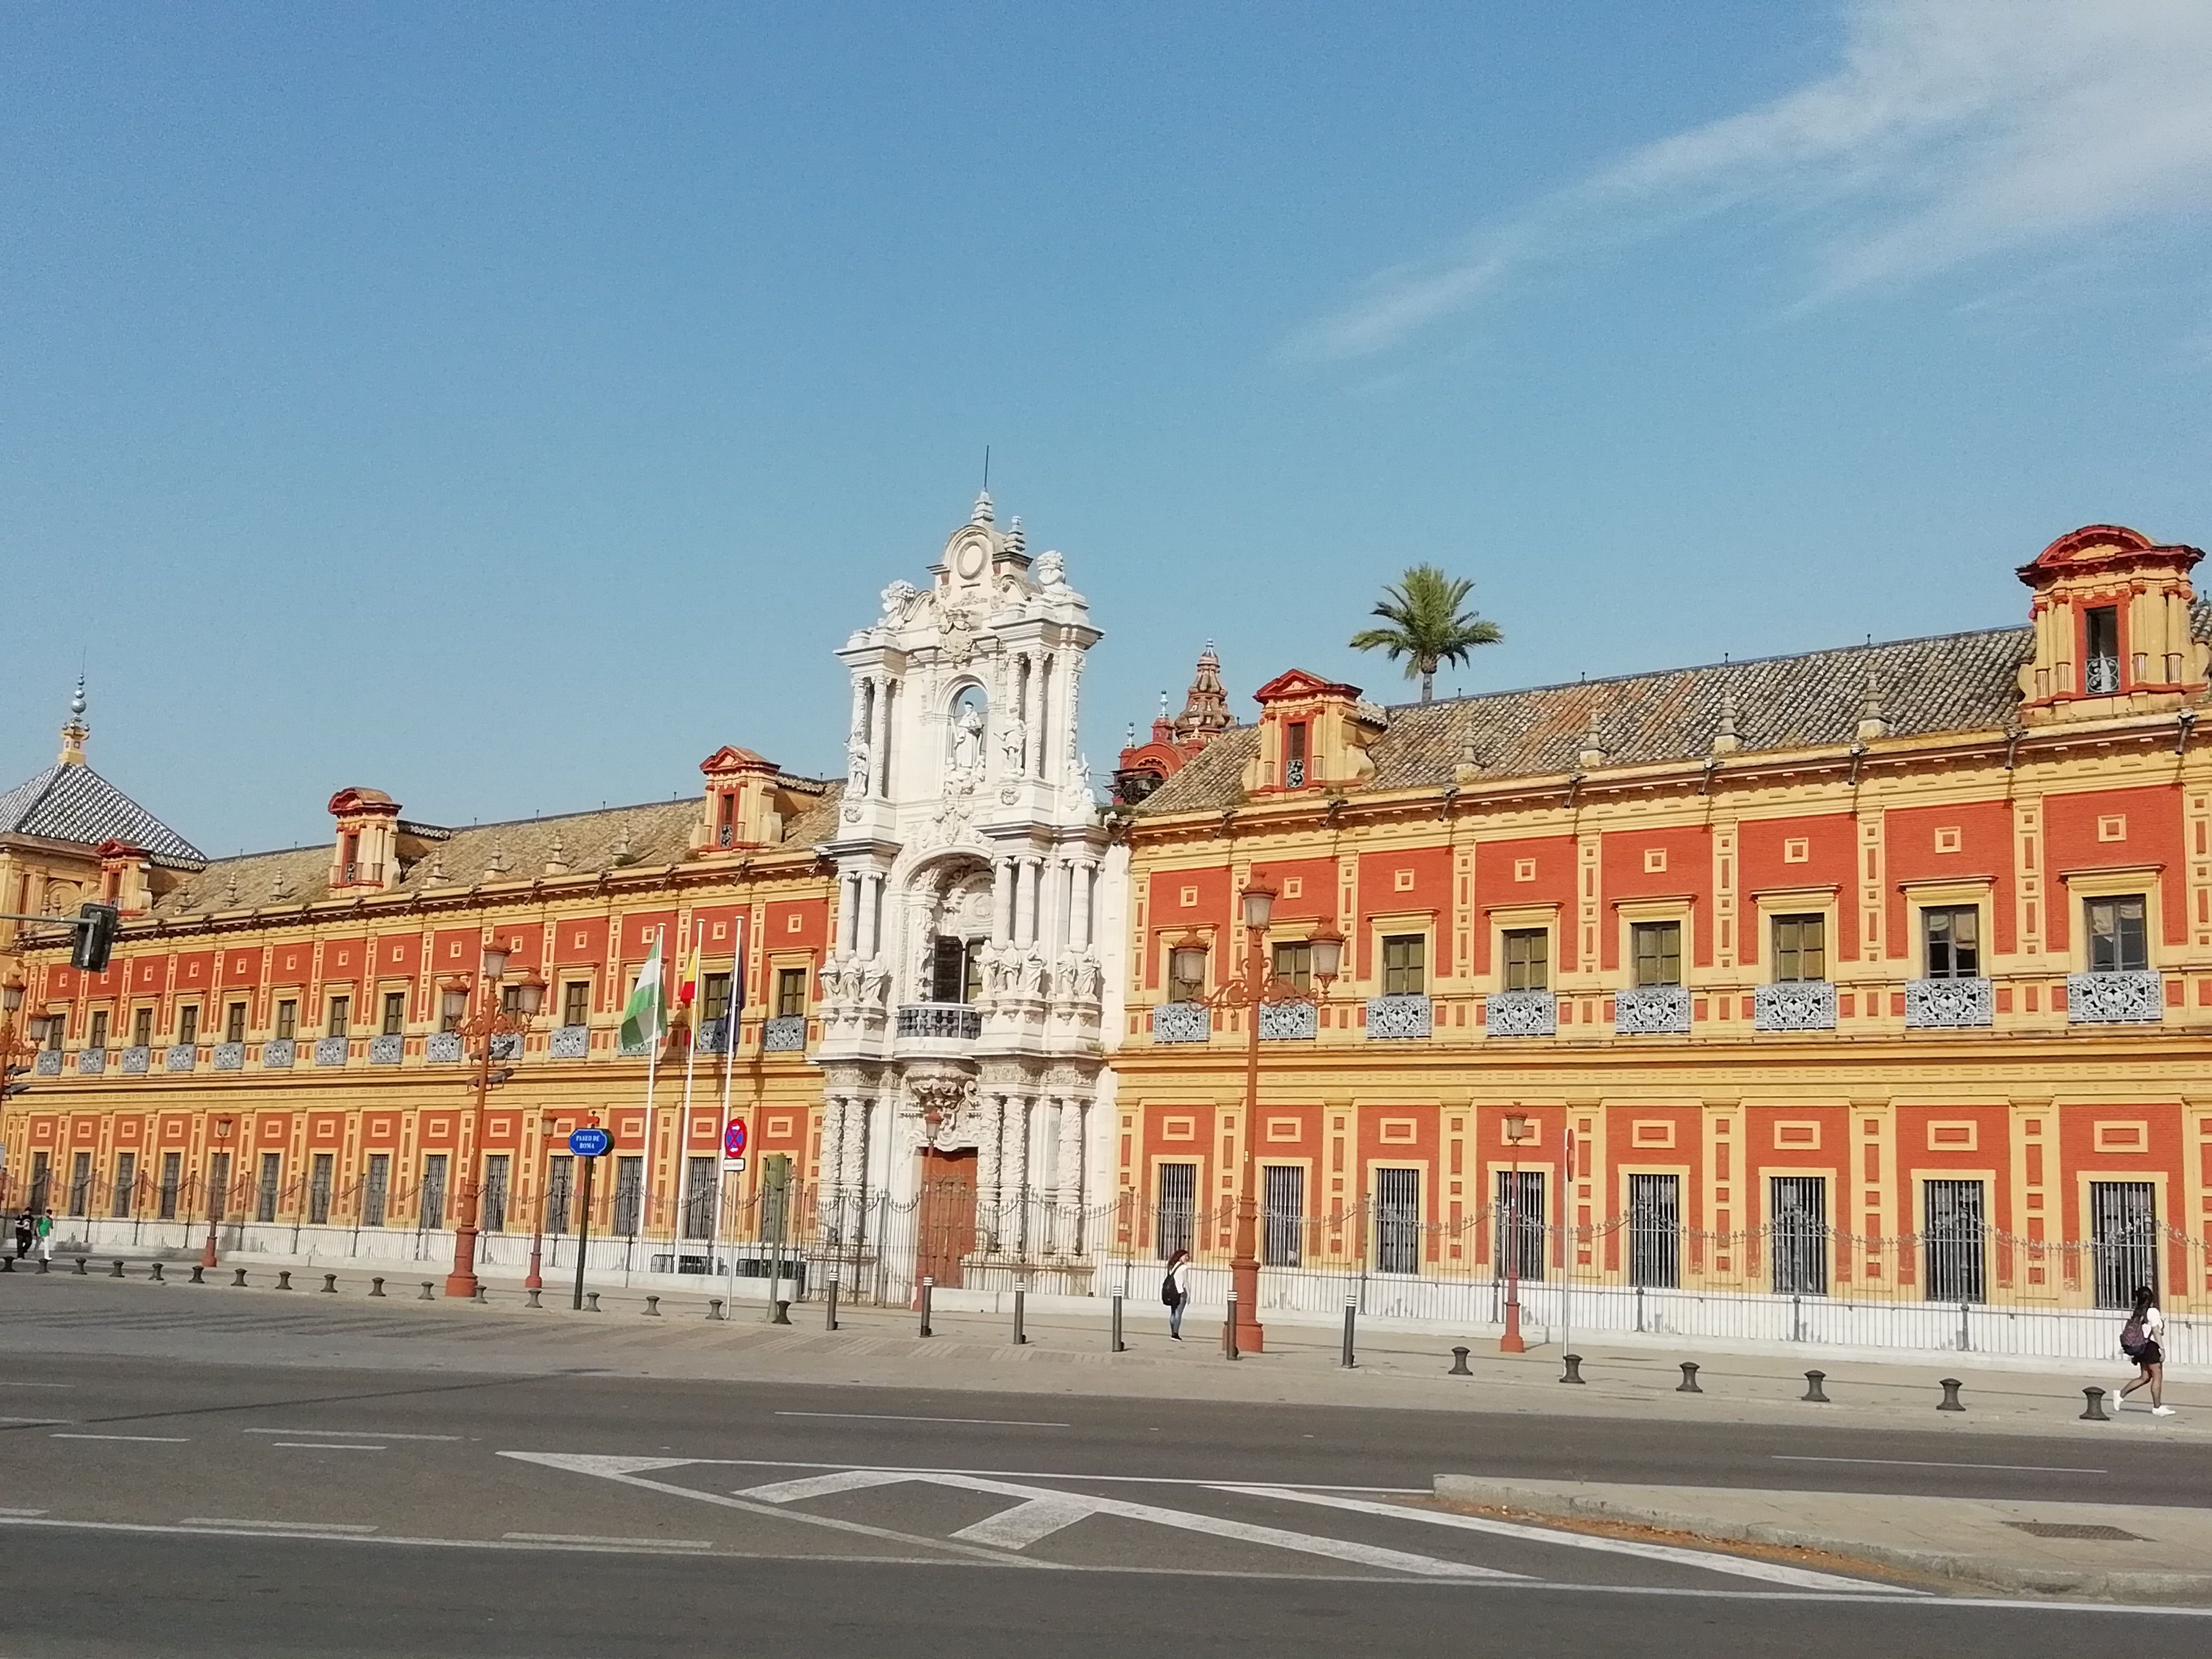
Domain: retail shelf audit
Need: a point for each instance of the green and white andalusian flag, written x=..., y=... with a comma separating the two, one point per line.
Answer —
x=645, y=1020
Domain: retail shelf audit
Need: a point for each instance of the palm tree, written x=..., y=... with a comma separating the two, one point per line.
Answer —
x=1427, y=627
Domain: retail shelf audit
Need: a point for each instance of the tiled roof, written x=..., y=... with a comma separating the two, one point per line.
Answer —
x=74, y=803
x=658, y=833
x=1950, y=683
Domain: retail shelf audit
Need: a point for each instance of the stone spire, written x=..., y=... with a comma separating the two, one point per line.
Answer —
x=1725, y=740
x=1206, y=706
x=982, y=513
x=75, y=732
x=1872, y=723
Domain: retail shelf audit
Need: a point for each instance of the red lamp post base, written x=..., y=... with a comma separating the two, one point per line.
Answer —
x=1244, y=1281
x=1512, y=1342
x=207, y=1250
x=462, y=1282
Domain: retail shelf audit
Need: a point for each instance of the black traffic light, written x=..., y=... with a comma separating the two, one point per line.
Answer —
x=95, y=937
x=13, y=1081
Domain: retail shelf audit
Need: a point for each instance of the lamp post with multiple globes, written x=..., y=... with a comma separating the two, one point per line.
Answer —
x=1257, y=988
x=480, y=1027
x=17, y=1048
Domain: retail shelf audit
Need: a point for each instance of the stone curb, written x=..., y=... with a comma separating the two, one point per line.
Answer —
x=1981, y=1570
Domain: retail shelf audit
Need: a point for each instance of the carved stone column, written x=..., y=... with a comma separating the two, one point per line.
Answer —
x=1071, y=1110
x=989, y=1169
x=880, y=748
x=853, y=1167
x=1002, y=901
x=1014, y=1171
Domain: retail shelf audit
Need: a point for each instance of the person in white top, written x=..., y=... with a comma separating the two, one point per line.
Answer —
x=2139, y=1340
x=1174, y=1291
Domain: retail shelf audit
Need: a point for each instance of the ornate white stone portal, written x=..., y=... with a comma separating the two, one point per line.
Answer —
x=962, y=999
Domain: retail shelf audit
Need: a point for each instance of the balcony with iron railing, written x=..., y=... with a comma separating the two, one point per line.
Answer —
x=1796, y=1005
x=941, y=1022
x=1182, y=1022
x=1651, y=1011
x=1401, y=1015
x=1521, y=1013
x=1949, y=1004
x=2131, y=997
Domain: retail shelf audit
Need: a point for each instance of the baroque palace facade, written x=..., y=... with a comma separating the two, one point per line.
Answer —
x=1878, y=976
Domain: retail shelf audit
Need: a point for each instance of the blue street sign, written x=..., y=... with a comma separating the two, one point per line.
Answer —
x=589, y=1143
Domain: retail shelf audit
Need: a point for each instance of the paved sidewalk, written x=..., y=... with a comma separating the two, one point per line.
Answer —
x=2162, y=1555
x=63, y=1312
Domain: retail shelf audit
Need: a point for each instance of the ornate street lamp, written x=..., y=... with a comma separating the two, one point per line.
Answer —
x=480, y=1031
x=13, y=1044
x=1516, y=1130
x=1258, y=987
x=216, y=1194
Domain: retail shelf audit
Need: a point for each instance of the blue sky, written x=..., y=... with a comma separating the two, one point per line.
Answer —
x=504, y=406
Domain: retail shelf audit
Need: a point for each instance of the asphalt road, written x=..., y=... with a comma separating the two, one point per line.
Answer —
x=172, y=1508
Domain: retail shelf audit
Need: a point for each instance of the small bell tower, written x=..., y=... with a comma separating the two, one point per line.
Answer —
x=2113, y=629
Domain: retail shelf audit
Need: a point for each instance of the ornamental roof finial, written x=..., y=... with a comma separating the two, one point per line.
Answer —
x=982, y=513
x=75, y=730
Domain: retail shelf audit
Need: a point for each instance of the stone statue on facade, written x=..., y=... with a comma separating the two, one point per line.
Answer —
x=967, y=741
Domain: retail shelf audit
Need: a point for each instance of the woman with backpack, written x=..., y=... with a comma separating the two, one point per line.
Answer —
x=2139, y=1340
x=1174, y=1291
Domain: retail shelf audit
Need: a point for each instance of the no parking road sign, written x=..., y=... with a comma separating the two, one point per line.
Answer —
x=734, y=1139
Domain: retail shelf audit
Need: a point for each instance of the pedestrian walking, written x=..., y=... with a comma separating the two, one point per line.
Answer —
x=27, y=1228
x=1174, y=1291
x=46, y=1235
x=2139, y=1340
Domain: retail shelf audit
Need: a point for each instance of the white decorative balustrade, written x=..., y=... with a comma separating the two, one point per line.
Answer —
x=1404, y=1015
x=945, y=1021
x=1182, y=1022
x=1948, y=1004
x=1522, y=1013
x=1799, y=1005
x=2137, y=998
x=1287, y=1021
x=1651, y=1011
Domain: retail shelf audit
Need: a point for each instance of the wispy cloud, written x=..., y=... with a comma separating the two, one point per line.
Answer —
x=1952, y=130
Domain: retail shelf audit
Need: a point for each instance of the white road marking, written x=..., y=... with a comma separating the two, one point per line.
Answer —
x=1018, y=1527
x=1015, y=1474
x=274, y=1526
x=154, y=1439
x=881, y=1417
x=1738, y=1565
x=1076, y=1506
x=356, y=1434
x=325, y=1445
x=35, y=1421
x=37, y=1385
x=1914, y=1463
x=27, y=1515
x=617, y=1543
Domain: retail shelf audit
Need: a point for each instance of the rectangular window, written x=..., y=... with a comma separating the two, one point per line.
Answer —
x=1398, y=1221
x=715, y=996
x=340, y=1016
x=288, y=1020
x=376, y=1189
x=1951, y=1226
x=172, y=1177
x=1285, y=1216
x=2100, y=669
x=558, y=1187
x=98, y=1038
x=1181, y=987
x=790, y=992
x=1405, y=964
x=233, y=1023
x=219, y=1185
x=630, y=1195
x=492, y=1214
x=41, y=1178
x=2124, y=1233
x=272, y=1168
x=1527, y=958
x=1800, y=1235
x=1951, y=934
x=1520, y=1241
x=948, y=975
x=395, y=1013
x=510, y=998
x=141, y=1028
x=1800, y=948
x=576, y=1002
x=1654, y=1231
x=433, y=1191
x=1174, y=1216
x=80, y=1192
x=1294, y=962
x=188, y=1023
x=319, y=1190
x=2118, y=942
x=1658, y=951
x=1294, y=756
x=699, y=1198
x=126, y=1179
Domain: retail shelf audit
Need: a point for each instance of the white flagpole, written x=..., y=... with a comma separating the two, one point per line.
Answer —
x=651, y=1061
x=729, y=1070
x=683, y=1125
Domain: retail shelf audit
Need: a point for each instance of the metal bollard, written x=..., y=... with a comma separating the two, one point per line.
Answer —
x=535, y=1303
x=2094, y=1411
x=829, y=1318
x=196, y=1272
x=330, y=1285
x=653, y=1306
x=429, y=1290
x=156, y=1275
x=6, y=1264
x=1574, y=1368
x=1120, y=1346
x=375, y=1286
x=237, y=1279
x=44, y=1265
x=714, y=1307
x=1812, y=1395
x=1950, y=1385
x=483, y=1297
x=1351, y=1312
x=1689, y=1384
x=590, y=1302
x=783, y=1314
x=1459, y=1363
x=284, y=1279
x=116, y=1272
x=1229, y=1329
x=80, y=1267
x=927, y=1285
x=1019, y=1340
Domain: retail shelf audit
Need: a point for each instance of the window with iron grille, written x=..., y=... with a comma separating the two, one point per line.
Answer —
x=1175, y=1210
x=1800, y=949
x=1181, y=987
x=1952, y=1229
x=1654, y=1231
x=493, y=1211
x=233, y=1023
x=218, y=1192
x=1398, y=1221
x=1286, y=1215
x=1294, y=756
x=790, y=992
x=1658, y=952
x=395, y=1013
x=319, y=1190
x=142, y=1028
x=713, y=996
x=376, y=1189
x=272, y=1167
x=80, y=1193
x=188, y=1023
x=576, y=1002
x=699, y=1198
x=2100, y=675
x=1800, y=1235
x=432, y=1213
x=1519, y=1229
x=340, y=1016
x=288, y=1020
x=126, y=1178
x=1951, y=935
x=1527, y=958
x=1405, y=964
x=41, y=1178
x=172, y=1177
x=1294, y=962
x=2119, y=943
x=558, y=1186
x=2123, y=1235
x=630, y=1195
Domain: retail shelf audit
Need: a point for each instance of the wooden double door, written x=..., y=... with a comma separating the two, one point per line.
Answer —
x=946, y=1217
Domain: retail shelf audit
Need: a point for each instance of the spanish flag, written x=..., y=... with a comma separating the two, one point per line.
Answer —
x=687, y=988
